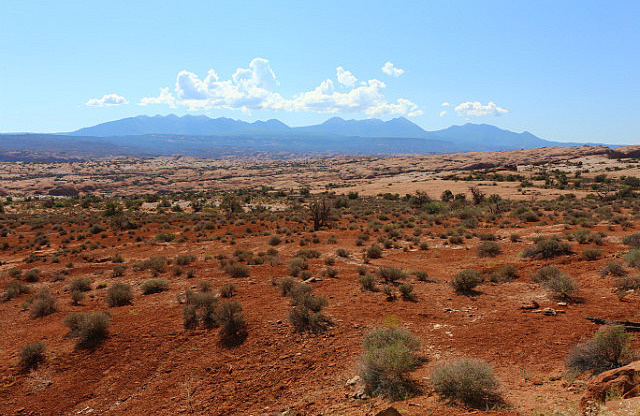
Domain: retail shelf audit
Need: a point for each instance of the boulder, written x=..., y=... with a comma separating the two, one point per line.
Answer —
x=622, y=382
x=389, y=411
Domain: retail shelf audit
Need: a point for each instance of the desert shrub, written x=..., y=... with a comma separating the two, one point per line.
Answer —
x=591, y=254
x=231, y=320
x=190, y=317
x=32, y=276
x=82, y=284
x=308, y=254
x=421, y=275
x=387, y=290
x=633, y=258
x=90, y=328
x=118, y=270
x=117, y=258
x=297, y=265
x=119, y=294
x=488, y=249
x=237, y=270
x=274, y=240
x=151, y=286
x=407, y=293
x=44, y=304
x=367, y=282
x=506, y=273
x=13, y=289
x=184, y=259
x=546, y=273
x=341, y=252
x=546, y=248
x=330, y=261
x=465, y=281
x=303, y=319
x=165, y=237
x=332, y=272
x=514, y=237
x=31, y=355
x=391, y=274
x=456, y=239
x=632, y=240
x=227, y=291
x=609, y=348
x=467, y=381
x=374, y=252
x=155, y=264
x=627, y=283
x=15, y=273
x=614, y=268
x=77, y=296
x=286, y=285
x=388, y=359
x=561, y=286
x=200, y=307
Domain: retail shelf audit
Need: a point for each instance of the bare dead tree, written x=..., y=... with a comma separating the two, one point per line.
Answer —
x=476, y=194
x=320, y=212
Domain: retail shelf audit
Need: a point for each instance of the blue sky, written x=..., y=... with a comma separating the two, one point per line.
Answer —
x=563, y=70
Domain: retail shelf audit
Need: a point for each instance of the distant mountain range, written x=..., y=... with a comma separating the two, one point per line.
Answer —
x=201, y=136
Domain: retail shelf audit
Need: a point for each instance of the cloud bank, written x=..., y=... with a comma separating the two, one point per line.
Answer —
x=252, y=88
x=477, y=109
x=107, y=101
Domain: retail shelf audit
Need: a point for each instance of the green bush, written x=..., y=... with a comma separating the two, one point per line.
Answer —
x=367, y=282
x=90, y=328
x=77, y=296
x=391, y=274
x=488, y=249
x=154, y=286
x=546, y=248
x=633, y=258
x=32, y=276
x=506, y=273
x=82, y=284
x=374, y=252
x=465, y=281
x=119, y=294
x=388, y=359
x=614, y=268
x=31, y=355
x=13, y=289
x=227, y=291
x=591, y=254
x=237, y=270
x=303, y=319
x=632, y=240
x=467, y=381
x=297, y=265
x=44, y=304
x=231, y=320
x=563, y=287
x=407, y=293
x=286, y=285
x=609, y=348
x=185, y=259
x=274, y=240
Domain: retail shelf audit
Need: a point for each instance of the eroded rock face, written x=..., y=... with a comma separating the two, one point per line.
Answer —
x=621, y=382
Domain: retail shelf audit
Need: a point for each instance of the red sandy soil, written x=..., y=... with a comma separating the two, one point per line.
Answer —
x=151, y=365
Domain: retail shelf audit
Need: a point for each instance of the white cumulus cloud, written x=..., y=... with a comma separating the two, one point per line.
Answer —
x=252, y=88
x=345, y=78
x=391, y=70
x=477, y=109
x=442, y=113
x=445, y=104
x=165, y=97
x=107, y=100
